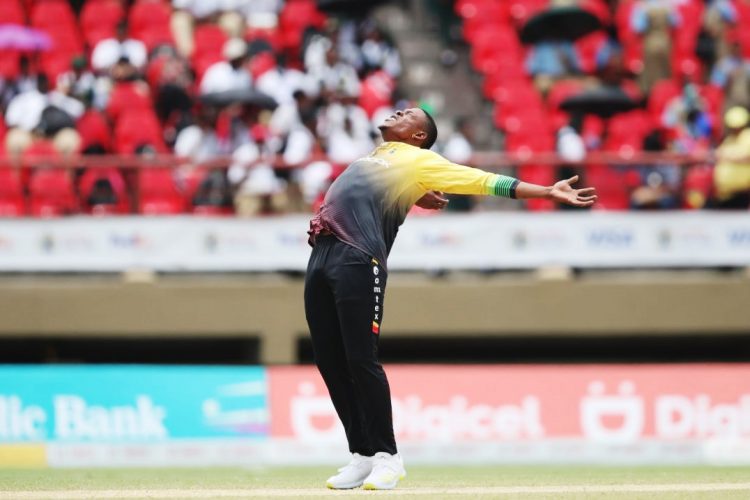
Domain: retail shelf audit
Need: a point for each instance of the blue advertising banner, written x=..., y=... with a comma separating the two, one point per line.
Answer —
x=131, y=403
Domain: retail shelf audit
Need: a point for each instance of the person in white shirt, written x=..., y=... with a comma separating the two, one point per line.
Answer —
x=24, y=116
x=230, y=74
x=457, y=147
x=336, y=76
x=257, y=188
x=111, y=50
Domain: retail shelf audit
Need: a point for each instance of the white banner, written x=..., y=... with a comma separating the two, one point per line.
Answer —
x=497, y=240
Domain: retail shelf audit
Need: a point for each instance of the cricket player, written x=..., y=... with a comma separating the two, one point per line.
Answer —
x=352, y=235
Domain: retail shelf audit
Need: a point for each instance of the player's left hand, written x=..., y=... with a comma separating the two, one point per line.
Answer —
x=563, y=192
x=432, y=200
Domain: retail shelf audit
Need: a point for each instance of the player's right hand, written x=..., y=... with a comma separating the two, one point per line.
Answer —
x=432, y=200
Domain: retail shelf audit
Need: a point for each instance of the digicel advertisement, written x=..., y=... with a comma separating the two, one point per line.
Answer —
x=594, y=405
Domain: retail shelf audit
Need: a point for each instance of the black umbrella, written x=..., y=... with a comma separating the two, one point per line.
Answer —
x=350, y=7
x=53, y=120
x=245, y=96
x=560, y=23
x=602, y=101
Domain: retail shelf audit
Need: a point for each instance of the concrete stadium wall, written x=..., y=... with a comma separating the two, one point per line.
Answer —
x=270, y=307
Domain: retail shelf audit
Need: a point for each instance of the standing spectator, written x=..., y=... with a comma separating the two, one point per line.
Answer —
x=336, y=76
x=41, y=110
x=346, y=144
x=658, y=185
x=378, y=52
x=458, y=149
x=732, y=73
x=686, y=118
x=230, y=74
x=654, y=20
x=110, y=51
x=258, y=189
x=732, y=172
x=550, y=60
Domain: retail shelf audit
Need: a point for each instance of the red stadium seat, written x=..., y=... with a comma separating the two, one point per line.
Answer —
x=611, y=187
x=627, y=131
x=149, y=22
x=53, y=15
x=662, y=92
x=587, y=49
x=11, y=12
x=137, y=128
x=489, y=15
x=698, y=187
x=128, y=96
x=273, y=36
x=560, y=91
x=11, y=194
x=51, y=193
x=10, y=64
x=522, y=10
x=294, y=18
x=157, y=193
x=111, y=177
x=599, y=8
x=94, y=131
x=209, y=42
x=99, y=19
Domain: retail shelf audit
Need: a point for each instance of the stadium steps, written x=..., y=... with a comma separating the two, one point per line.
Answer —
x=452, y=91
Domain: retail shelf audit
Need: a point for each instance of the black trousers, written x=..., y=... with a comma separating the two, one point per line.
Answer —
x=344, y=291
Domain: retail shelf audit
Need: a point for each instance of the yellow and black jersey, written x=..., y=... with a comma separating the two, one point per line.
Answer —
x=367, y=203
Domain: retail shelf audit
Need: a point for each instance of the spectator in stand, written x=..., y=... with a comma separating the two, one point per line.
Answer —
x=718, y=18
x=551, y=60
x=172, y=80
x=84, y=85
x=286, y=116
x=335, y=76
x=732, y=73
x=378, y=52
x=346, y=143
x=732, y=172
x=686, y=118
x=34, y=111
x=458, y=149
x=230, y=74
x=23, y=82
x=110, y=51
x=280, y=82
x=199, y=141
x=654, y=20
x=659, y=185
x=257, y=188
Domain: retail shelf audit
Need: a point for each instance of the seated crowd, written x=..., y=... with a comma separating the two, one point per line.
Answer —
x=263, y=102
x=684, y=64
x=153, y=78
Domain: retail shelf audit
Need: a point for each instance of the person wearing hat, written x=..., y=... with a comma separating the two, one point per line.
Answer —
x=229, y=74
x=732, y=172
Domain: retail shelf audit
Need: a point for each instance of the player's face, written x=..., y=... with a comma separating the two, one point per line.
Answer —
x=404, y=125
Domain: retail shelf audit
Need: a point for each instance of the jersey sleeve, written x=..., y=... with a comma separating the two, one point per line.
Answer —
x=435, y=173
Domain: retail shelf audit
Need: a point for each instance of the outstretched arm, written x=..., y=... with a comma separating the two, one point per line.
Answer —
x=436, y=175
x=560, y=192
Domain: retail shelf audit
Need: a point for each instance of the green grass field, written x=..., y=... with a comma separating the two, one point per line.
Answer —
x=423, y=482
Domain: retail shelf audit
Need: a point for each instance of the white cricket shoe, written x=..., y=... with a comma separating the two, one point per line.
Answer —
x=387, y=470
x=352, y=475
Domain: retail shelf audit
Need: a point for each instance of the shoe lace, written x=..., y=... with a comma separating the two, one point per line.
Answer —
x=355, y=461
x=389, y=463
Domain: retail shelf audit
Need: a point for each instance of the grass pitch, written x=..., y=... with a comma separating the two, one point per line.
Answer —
x=423, y=482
